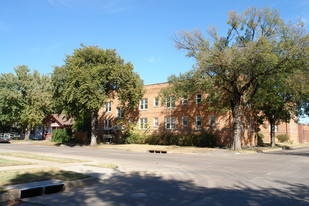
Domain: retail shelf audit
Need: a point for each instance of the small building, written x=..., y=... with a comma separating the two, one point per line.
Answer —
x=57, y=121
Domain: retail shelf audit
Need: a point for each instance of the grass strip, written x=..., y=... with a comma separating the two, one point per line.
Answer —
x=11, y=177
x=2, y=190
x=42, y=157
x=103, y=165
x=6, y=162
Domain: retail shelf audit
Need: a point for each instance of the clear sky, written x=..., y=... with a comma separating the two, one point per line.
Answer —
x=39, y=33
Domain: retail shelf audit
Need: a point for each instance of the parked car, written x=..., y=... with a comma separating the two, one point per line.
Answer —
x=5, y=137
x=14, y=135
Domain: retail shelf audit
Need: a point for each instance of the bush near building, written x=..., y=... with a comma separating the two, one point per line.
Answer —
x=61, y=136
x=282, y=138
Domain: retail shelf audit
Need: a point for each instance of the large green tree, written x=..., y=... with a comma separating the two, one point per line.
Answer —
x=91, y=76
x=282, y=98
x=10, y=100
x=275, y=102
x=25, y=98
x=231, y=68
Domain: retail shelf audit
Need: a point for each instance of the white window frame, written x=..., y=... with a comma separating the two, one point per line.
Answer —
x=170, y=102
x=120, y=113
x=185, y=122
x=276, y=128
x=108, y=106
x=143, y=123
x=107, y=124
x=156, y=122
x=184, y=100
x=143, y=104
x=198, y=98
x=212, y=121
x=156, y=102
x=170, y=123
x=197, y=120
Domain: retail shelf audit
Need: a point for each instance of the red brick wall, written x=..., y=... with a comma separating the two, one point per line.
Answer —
x=222, y=127
x=288, y=128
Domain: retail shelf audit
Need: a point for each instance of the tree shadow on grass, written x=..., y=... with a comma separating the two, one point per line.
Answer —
x=141, y=189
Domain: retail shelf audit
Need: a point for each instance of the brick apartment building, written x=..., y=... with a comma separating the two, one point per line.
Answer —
x=184, y=115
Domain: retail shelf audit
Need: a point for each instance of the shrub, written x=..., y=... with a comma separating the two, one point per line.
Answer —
x=61, y=136
x=135, y=138
x=282, y=138
x=260, y=137
x=200, y=140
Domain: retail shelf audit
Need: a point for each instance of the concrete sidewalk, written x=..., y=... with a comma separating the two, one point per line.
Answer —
x=96, y=173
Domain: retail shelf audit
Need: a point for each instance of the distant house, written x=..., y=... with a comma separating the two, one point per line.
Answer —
x=57, y=121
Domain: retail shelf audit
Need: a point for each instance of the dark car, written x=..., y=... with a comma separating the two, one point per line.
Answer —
x=5, y=137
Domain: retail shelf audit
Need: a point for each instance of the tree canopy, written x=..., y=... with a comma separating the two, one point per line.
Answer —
x=89, y=77
x=258, y=46
x=25, y=98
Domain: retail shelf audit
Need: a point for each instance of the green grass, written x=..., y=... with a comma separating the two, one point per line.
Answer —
x=42, y=157
x=103, y=165
x=11, y=177
x=6, y=162
x=2, y=190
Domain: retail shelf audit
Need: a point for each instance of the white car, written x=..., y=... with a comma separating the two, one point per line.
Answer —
x=5, y=137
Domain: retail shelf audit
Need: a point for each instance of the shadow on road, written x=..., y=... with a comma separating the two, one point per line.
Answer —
x=304, y=152
x=148, y=189
x=70, y=144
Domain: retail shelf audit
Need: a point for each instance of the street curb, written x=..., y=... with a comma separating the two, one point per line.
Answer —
x=14, y=194
x=284, y=147
x=269, y=150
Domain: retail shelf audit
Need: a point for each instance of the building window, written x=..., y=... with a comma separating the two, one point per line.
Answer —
x=96, y=125
x=170, y=123
x=155, y=122
x=212, y=120
x=143, y=104
x=143, y=123
x=156, y=102
x=185, y=121
x=108, y=106
x=107, y=124
x=170, y=102
x=276, y=128
x=198, y=99
x=184, y=100
x=120, y=113
x=198, y=121
x=251, y=124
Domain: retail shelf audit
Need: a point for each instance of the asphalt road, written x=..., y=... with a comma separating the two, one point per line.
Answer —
x=211, y=178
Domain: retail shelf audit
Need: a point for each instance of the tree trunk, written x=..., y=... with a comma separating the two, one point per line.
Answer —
x=236, y=128
x=94, y=117
x=272, y=134
x=27, y=133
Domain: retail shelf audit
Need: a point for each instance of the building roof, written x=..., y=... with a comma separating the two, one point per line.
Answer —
x=62, y=119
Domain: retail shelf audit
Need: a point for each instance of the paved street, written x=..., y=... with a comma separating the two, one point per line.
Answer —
x=209, y=178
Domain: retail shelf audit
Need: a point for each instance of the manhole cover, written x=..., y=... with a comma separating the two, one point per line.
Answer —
x=138, y=195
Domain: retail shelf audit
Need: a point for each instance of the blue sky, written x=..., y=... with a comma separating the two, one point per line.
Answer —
x=39, y=33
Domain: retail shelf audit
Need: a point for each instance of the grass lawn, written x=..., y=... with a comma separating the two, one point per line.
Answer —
x=41, y=157
x=2, y=190
x=11, y=177
x=103, y=165
x=6, y=162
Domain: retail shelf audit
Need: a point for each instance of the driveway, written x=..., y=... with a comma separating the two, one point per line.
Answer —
x=210, y=178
